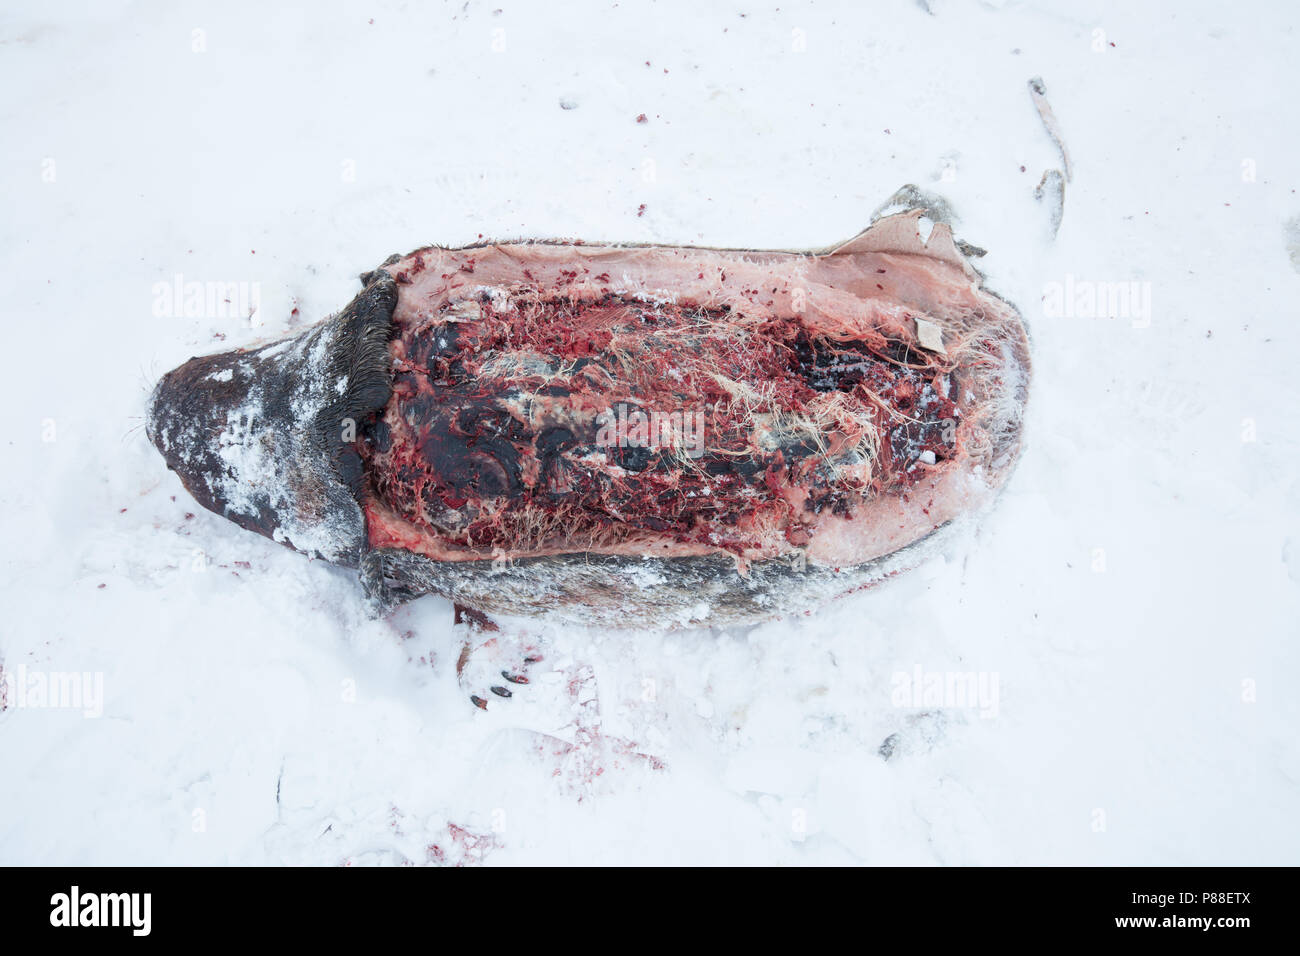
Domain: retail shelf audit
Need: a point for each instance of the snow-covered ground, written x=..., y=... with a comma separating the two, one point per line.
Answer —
x=1131, y=605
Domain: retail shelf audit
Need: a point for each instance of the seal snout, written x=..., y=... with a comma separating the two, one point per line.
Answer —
x=157, y=410
x=193, y=393
x=189, y=420
x=239, y=430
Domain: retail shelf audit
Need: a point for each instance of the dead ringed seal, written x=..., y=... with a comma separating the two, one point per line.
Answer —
x=625, y=435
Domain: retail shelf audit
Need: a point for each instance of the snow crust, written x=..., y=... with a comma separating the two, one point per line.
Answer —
x=1135, y=592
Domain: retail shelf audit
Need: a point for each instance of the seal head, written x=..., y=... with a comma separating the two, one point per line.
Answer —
x=267, y=436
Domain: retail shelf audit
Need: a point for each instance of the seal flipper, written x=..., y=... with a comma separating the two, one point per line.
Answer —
x=391, y=577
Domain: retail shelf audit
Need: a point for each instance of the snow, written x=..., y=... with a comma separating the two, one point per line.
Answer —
x=1133, y=598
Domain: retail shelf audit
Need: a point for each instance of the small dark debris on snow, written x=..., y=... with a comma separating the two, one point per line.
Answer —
x=888, y=747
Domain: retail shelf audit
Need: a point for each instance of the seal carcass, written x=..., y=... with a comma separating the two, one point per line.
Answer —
x=627, y=435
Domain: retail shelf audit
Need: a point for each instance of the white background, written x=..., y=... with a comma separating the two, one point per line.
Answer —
x=1126, y=731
